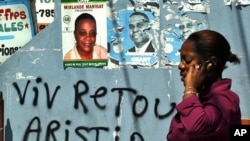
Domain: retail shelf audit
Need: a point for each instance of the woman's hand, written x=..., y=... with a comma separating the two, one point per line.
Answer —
x=195, y=76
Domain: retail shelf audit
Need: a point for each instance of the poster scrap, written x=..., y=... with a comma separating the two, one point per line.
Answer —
x=242, y=2
x=237, y=2
x=16, y=27
x=84, y=33
x=45, y=13
x=182, y=18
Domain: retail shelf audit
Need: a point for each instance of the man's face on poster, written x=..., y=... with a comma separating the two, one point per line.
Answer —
x=138, y=25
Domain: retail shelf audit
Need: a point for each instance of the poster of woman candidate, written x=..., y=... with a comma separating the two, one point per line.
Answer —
x=84, y=28
x=133, y=33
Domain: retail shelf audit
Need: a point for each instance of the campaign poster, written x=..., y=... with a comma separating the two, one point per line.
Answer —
x=84, y=33
x=16, y=27
x=133, y=33
x=45, y=13
x=178, y=21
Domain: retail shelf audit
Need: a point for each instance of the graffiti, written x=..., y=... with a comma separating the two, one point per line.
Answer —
x=35, y=128
x=157, y=101
x=82, y=97
x=81, y=89
x=36, y=92
x=54, y=126
x=120, y=92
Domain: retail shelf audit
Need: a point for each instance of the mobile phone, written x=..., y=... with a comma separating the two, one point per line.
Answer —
x=204, y=63
x=207, y=62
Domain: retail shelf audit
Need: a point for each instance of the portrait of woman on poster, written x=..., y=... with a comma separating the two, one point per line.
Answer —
x=85, y=33
x=208, y=105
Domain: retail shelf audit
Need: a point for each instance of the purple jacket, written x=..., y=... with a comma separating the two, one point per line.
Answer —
x=208, y=117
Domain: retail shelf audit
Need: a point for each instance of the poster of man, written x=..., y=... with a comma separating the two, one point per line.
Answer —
x=138, y=25
x=84, y=37
x=134, y=38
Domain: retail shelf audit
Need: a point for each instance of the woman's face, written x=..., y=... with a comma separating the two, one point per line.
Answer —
x=85, y=35
x=188, y=58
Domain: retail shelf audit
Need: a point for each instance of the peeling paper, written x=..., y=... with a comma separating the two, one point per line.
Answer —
x=33, y=48
x=35, y=60
x=194, y=1
x=228, y=2
x=180, y=26
x=194, y=6
x=242, y=2
x=169, y=96
x=237, y=2
x=57, y=49
x=19, y=75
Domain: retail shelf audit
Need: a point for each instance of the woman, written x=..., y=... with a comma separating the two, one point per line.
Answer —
x=85, y=36
x=208, y=107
